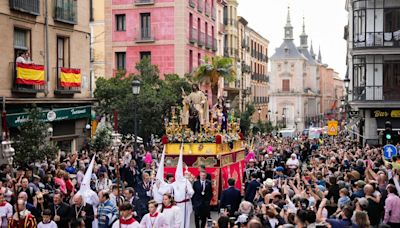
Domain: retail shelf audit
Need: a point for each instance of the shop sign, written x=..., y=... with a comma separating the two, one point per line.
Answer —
x=384, y=113
x=17, y=119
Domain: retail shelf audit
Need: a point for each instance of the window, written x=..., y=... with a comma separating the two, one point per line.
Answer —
x=198, y=59
x=120, y=20
x=145, y=54
x=21, y=41
x=120, y=60
x=190, y=60
x=145, y=26
x=62, y=52
x=286, y=85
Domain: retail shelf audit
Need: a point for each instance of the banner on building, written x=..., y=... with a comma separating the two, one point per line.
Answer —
x=70, y=77
x=29, y=74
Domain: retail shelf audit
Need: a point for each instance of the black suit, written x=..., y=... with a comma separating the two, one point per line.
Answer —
x=230, y=196
x=251, y=190
x=89, y=216
x=131, y=177
x=201, y=202
x=62, y=210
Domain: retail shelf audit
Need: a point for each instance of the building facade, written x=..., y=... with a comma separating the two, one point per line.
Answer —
x=373, y=35
x=175, y=35
x=55, y=75
x=332, y=92
x=294, y=99
x=97, y=40
x=259, y=75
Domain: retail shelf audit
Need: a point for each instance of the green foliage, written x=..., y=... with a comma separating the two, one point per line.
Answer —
x=32, y=142
x=264, y=127
x=212, y=71
x=245, y=118
x=102, y=140
x=153, y=103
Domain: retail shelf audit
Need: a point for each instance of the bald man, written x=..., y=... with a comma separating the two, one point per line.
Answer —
x=30, y=207
x=82, y=211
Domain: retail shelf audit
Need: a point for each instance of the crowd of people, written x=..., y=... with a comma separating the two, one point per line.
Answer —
x=288, y=182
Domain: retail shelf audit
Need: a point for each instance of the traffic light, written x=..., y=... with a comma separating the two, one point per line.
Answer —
x=390, y=136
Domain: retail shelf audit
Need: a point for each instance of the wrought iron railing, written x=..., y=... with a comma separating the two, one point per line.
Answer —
x=27, y=6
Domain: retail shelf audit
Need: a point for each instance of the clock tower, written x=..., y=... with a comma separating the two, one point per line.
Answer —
x=288, y=27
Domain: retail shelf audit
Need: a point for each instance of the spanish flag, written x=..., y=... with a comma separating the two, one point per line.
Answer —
x=70, y=77
x=30, y=74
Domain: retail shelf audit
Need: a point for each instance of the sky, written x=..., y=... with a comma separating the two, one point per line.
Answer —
x=324, y=20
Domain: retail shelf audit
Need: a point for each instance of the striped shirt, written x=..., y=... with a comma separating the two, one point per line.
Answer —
x=107, y=212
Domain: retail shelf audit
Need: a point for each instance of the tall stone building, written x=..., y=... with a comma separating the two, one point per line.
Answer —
x=56, y=74
x=373, y=61
x=294, y=84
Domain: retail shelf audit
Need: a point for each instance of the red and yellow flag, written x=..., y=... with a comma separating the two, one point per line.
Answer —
x=30, y=74
x=70, y=77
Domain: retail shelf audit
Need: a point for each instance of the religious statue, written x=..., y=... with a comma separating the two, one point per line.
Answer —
x=195, y=109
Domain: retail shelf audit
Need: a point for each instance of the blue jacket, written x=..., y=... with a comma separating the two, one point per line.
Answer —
x=251, y=190
x=230, y=196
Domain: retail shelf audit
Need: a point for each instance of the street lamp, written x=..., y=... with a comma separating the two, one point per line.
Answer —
x=116, y=143
x=259, y=114
x=135, y=92
x=346, y=83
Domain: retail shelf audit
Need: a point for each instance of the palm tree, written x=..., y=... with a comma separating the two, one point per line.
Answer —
x=211, y=72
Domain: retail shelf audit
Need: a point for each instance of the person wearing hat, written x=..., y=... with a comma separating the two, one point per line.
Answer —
x=359, y=189
x=279, y=173
x=268, y=165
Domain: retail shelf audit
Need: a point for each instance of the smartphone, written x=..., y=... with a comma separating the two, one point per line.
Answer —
x=222, y=210
x=209, y=223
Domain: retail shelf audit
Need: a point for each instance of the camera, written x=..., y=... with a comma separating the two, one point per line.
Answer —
x=209, y=223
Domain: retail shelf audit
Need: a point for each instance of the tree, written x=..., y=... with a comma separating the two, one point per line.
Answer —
x=102, y=139
x=33, y=143
x=245, y=118
x=153, y=103
x=211, y=72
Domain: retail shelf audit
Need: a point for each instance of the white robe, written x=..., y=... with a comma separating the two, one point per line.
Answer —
x=173, y=217
x=154, y=222
x=184, y=193
x=132, y=225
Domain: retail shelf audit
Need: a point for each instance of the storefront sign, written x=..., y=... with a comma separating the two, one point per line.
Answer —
x=379, y=113
x=17, y=119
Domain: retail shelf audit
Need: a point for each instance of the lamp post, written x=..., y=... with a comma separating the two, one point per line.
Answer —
x=116, y=143
x=135, y=92
x=259, y=114
x=283, y=120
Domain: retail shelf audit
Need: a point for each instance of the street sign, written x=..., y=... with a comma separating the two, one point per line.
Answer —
x=333, y=128
x=389, y=151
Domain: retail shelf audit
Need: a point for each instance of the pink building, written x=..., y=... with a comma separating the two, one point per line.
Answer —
x=176, y=35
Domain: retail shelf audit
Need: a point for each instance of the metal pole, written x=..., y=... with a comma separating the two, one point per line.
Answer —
x=135, y=122
x=46, y=47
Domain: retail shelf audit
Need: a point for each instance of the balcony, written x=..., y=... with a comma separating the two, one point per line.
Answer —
x=145, y=35
x=213, y=13
x=202, y=39
x=192, y=3
x=144, y=2
x=208, y=9
x=221, y=28
x=200, y=4
x=377, y=40
x=209, y=42
x=66, y=11
x=26, y=6
x=215, y=45
x=25, y=86
x=193, y=35
x=68, y=85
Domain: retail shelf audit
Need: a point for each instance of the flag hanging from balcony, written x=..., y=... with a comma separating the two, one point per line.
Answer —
x=30, y=74
x=70, y=77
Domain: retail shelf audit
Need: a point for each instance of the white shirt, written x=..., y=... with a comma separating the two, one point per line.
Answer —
x=151, y=222
x=51, y=224
x=292, y=163
x=173, y=217
x=6, y=211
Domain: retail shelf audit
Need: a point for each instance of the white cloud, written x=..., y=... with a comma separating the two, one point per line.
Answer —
x=325, y=20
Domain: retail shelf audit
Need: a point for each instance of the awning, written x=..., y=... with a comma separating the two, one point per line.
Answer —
x=17, y=119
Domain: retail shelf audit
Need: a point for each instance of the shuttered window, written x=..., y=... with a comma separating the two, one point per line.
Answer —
x=285, y=85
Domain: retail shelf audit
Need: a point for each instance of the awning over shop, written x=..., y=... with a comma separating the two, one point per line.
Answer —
x=17, y=119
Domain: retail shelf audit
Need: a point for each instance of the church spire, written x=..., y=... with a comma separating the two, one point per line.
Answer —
x=312, y=51
x=288, y=27
x=319, y=55
x=304, y=37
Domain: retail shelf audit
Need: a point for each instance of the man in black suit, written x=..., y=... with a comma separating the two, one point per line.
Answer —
x=60, y=211
x=203, y=168
x=201, y=199
x=251, y=188
x=82, y=212
x=130, y=174
x=230, y=198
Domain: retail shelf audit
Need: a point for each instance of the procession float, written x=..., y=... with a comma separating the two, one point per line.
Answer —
x=209, y=138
